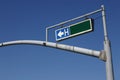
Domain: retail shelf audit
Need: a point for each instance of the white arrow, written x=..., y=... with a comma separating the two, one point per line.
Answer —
x=60, y=33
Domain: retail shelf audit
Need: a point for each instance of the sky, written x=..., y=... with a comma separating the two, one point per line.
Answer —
x=28, y=20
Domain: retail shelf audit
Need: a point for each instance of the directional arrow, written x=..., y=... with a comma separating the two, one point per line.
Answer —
x=60, y=33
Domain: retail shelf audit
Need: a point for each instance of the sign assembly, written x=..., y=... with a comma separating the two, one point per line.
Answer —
x=74, y=29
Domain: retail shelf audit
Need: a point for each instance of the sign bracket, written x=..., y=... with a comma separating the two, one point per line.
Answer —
x=71, y=20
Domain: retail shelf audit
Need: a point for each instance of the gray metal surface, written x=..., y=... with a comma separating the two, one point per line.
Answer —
x=107, y=49
x=75, y=49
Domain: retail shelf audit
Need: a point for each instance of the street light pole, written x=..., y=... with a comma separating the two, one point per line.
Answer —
x=104, y=55
x=107, y=49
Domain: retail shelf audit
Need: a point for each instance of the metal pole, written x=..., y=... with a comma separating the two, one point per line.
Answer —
x=79, y=17
x=46, y=34
x=75, y=49
x=107, y=49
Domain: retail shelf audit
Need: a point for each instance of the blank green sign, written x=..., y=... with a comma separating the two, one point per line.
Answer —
x=81, y=27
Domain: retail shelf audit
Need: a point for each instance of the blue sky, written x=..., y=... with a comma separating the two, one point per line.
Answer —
x=28, y=19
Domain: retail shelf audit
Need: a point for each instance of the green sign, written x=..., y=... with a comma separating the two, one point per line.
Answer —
x=74, y=29
x=81, y=27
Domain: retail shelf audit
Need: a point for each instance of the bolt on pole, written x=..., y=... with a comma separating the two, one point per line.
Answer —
x=107, y=49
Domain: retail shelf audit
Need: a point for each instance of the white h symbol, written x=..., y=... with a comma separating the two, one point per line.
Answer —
x=66, y=31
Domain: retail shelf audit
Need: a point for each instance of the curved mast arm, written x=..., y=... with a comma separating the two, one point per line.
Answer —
x=78, y=50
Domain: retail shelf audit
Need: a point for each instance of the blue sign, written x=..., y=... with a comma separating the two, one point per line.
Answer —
x=62, y=33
